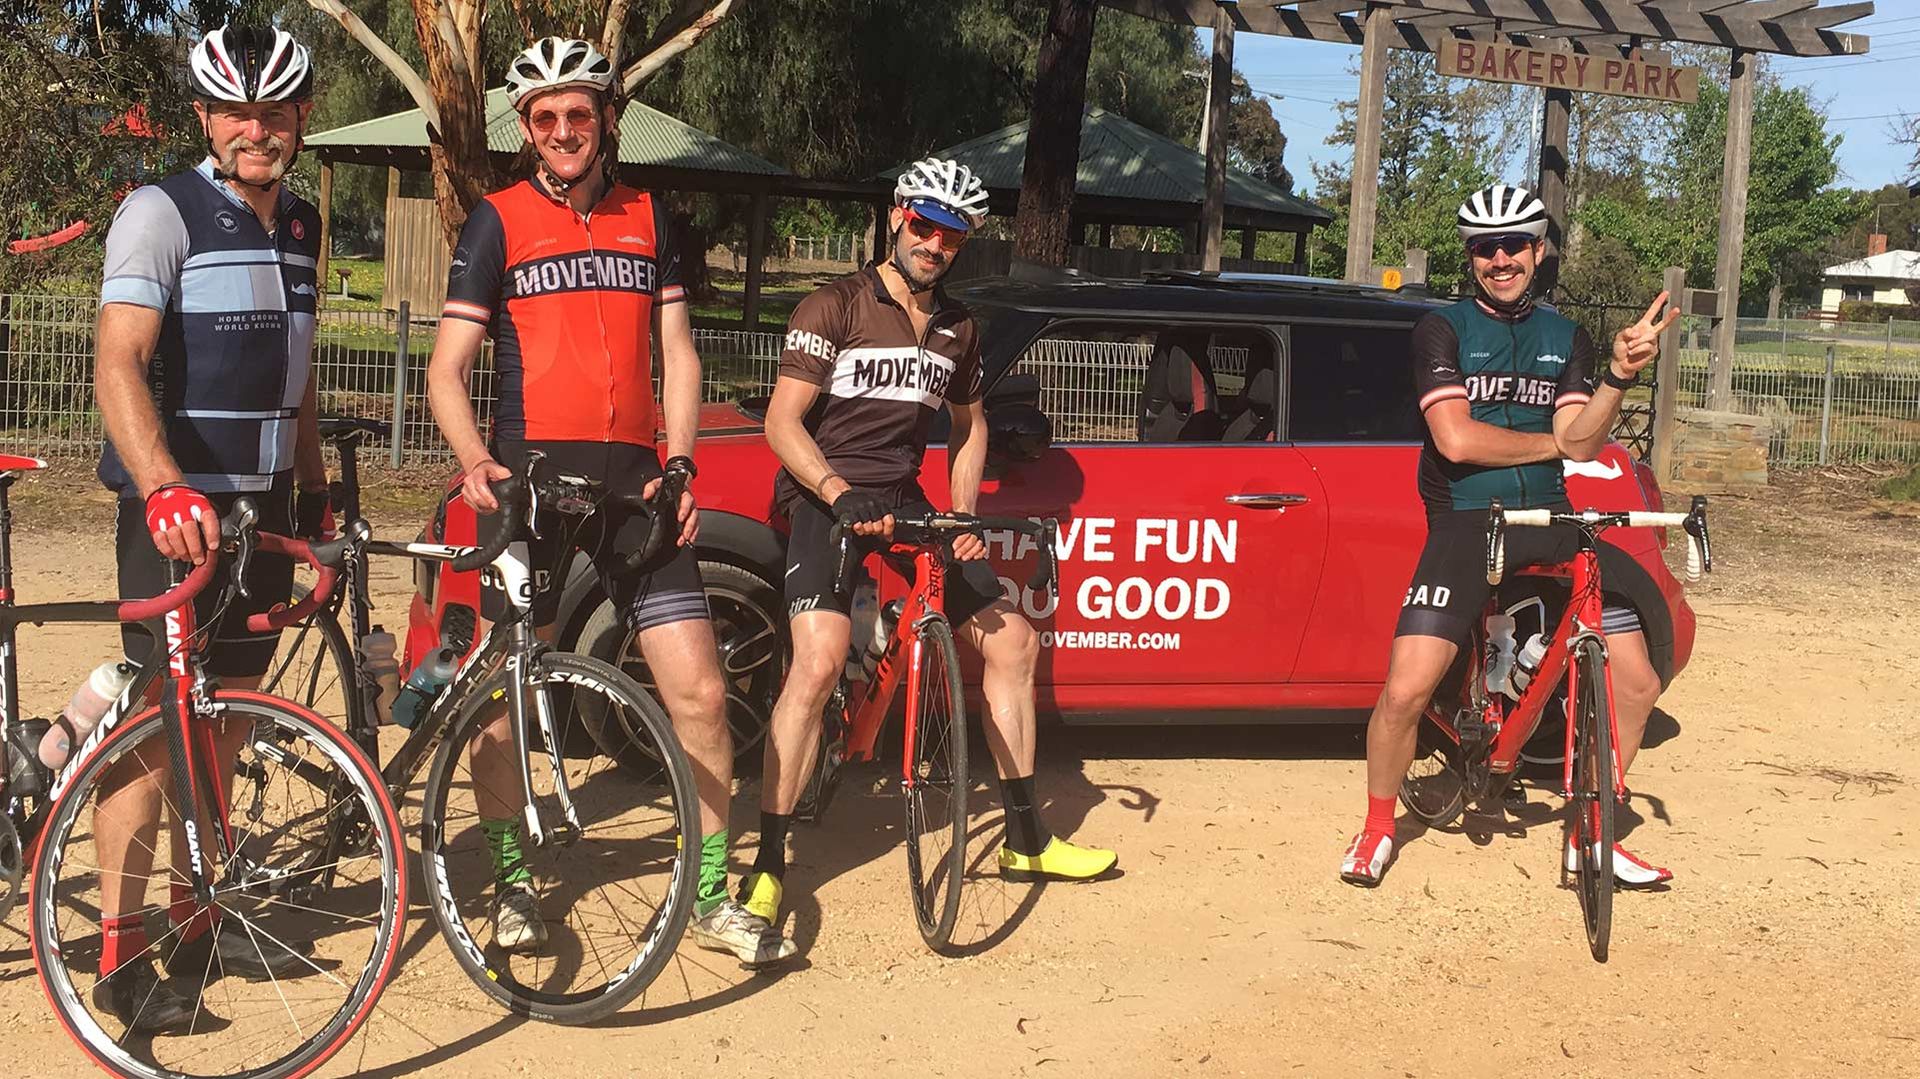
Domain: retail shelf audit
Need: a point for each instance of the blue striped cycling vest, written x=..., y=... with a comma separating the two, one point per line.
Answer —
x=236, y=339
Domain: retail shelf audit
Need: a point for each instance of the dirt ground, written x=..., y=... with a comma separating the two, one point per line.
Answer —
x=1782, y=784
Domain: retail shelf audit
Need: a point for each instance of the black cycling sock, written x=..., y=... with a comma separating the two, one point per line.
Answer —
x=1025, y=834
x=772, y=856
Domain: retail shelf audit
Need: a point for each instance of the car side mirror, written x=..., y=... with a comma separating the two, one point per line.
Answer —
x=1018, y=431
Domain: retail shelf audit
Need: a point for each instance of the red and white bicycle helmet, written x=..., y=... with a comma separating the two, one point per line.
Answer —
x=555, y=62
x=944, y=191
x=250, y=63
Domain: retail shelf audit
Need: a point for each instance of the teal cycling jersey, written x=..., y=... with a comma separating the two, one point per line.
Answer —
x=1513, y=373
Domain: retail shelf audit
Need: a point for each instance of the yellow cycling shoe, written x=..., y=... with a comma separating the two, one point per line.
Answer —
x=1060, y=860
x=760, y=894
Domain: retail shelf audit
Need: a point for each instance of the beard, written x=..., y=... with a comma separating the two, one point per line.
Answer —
x=922, y=279
x=274, y=144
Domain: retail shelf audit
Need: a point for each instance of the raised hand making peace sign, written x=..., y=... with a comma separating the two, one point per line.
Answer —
x=1635, y=346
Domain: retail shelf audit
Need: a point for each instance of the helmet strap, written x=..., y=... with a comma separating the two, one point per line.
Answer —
x=900, y=267
x=1513, y=310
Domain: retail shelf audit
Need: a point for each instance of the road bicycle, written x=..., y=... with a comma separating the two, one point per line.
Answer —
x=232, y=772
x=919, y=651
x=613, y=854
x=1471, y=734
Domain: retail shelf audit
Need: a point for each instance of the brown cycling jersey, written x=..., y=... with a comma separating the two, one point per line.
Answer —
x=880, y=384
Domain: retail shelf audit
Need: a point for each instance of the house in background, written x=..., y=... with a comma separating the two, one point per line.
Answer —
x=1882, y=277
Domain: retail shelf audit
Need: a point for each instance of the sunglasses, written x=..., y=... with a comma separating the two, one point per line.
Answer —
x=925, y=229
x=546, y=120
x=1485, y=246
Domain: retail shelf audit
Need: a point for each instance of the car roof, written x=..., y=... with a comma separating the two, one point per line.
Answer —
x=1185, y=293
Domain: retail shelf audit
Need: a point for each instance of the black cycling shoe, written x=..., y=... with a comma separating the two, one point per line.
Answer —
x=255, y=958
x=144, y=1004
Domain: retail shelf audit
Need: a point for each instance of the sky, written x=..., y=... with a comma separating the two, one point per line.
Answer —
x=1862, y=95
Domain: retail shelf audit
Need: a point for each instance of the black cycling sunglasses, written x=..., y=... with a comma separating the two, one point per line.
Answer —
x=1485, y=246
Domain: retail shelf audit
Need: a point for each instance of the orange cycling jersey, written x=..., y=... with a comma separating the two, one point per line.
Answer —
x=569, y=303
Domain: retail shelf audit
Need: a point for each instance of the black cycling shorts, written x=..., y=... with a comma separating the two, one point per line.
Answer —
x=1449, y=590
x=646, y=597
x=971, y=586
x=233, y=650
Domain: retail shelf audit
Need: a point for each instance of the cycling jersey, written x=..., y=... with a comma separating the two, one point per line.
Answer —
x=1512, y=373
x=880, y=383
x=569, y=302
x=237, y=310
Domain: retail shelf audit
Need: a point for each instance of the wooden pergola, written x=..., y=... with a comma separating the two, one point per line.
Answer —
x=1607, y=28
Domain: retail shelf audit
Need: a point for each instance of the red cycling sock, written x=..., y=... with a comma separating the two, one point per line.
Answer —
x=123, y=937
x=1380, y=815
x=183, y=911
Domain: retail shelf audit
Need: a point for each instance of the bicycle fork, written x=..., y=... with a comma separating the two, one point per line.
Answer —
x=520, y=687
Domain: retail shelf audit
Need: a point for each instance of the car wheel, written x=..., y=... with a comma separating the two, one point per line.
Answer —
x=751, y=631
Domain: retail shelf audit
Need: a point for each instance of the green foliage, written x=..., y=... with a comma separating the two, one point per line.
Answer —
x=1792, y=208
x=1903, y=488
x=1864, y=311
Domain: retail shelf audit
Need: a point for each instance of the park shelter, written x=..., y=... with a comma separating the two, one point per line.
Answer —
x=1607, y=29
x=657, y=152
x=1129, y=175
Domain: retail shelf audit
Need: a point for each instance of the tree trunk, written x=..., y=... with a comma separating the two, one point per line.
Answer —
x=1053, y=133
x=462, y=171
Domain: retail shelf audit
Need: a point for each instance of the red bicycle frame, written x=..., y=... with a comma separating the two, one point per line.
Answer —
x=924, y=600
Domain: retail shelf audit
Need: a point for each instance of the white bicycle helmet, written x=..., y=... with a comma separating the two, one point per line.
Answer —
x=944, y=191
x=555, y=62
x=1502, y=211
x=250, y=63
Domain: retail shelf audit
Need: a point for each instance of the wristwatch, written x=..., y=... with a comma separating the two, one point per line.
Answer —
x=684, y=464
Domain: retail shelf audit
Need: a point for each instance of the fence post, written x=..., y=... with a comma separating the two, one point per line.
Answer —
x=1666, y=381
x=1783, y=341
x=1889, y=339
x=1826, y=407
x=400, y=382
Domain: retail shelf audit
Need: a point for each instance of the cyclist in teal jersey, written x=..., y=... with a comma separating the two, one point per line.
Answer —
x=1508, y=393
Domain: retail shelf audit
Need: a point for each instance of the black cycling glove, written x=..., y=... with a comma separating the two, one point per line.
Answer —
x=313, y=515
x=858, y=507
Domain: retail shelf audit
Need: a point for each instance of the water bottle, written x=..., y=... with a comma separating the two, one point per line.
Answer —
x=863, y=612
x=90, y=702
x=884, y=620
x=423, y=685
x=1527, y=664
x=1500, y=650
x=383, y=666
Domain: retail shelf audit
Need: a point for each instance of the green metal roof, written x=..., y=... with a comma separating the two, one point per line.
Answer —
x=1120, y=159
x=647, y=137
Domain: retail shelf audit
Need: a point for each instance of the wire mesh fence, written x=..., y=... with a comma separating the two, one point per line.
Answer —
x=1863, y=405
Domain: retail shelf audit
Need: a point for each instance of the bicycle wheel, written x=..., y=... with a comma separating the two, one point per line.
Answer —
x=936, y=786
x=1434, y=789
x=321, y=959
x=313, y=667
x=614, y=896
x=1590, y=816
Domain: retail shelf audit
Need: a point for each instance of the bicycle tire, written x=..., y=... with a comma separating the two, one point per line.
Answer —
x=325, y=682
x=356, y=784
x=937, y=764
x=1590, y=823
x=1434, y=789
x=449, y=851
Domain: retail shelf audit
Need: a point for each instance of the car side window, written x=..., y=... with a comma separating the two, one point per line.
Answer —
x=1129, y=382
x=1351, y=384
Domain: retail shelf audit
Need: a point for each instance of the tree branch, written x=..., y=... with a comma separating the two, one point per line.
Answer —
x=613, y=32
x=410, y=79
x=645, y=67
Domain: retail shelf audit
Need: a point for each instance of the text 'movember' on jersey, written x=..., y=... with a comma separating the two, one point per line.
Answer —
x=582, y=271
x=905, y=374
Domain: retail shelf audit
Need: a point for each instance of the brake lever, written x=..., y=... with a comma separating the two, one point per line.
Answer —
x=1047, y=574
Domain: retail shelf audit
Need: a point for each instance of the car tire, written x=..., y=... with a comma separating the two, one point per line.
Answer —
x=750, y=627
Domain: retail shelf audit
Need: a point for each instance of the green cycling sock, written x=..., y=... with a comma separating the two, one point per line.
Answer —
x=503, y=843
x=713, y=873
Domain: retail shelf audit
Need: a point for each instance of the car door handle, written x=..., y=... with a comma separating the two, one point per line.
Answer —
x=1267, y=501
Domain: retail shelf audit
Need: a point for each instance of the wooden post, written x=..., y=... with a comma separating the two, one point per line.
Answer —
x=756, y=254
x=881, y=251
x=1553, y=186
x=1366, y=146
x=1733, y=229
x=395, y=245
x=1053, y=133
x=1219, y=94
x=1666, y=386
x=326, y=222
x=1106, y=234
x=1249, y=237
x=1300, y=251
